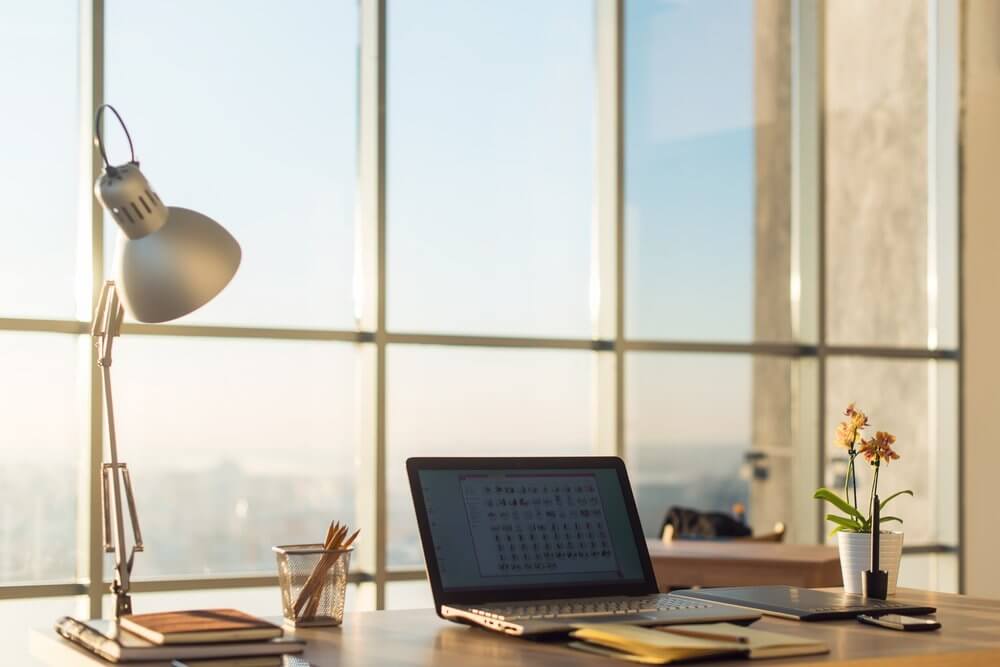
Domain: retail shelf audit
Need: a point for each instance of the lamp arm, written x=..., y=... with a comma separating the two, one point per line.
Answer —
x=107, y=322
x=106, y=326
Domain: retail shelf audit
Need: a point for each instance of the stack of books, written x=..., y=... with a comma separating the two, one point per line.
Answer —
x=206, y=637
x=669, y=644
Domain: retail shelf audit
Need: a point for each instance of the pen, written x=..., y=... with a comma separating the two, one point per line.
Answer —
x=705, y=635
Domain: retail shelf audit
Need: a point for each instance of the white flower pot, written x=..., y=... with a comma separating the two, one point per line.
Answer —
x=855, y=556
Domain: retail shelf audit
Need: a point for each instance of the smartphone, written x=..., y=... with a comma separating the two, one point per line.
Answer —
x=898, y=622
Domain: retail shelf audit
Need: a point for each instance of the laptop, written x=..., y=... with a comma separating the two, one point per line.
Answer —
x=535, y=546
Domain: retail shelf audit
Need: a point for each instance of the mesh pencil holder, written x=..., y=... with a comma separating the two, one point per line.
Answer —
x=313, y=583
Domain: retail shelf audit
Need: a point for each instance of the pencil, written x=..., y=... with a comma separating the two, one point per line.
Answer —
x=698, y=634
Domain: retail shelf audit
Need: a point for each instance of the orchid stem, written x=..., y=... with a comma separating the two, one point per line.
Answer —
x=854, y=478
x=871, y=501
x=847, y=480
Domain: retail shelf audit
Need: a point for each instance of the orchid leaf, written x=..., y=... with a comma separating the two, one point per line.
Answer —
x=838, y=502
x=885, y=502
x=889, y=518
x=844, y=523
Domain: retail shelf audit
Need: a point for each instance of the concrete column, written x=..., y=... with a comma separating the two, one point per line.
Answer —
x=980, y=197
x=771, y=498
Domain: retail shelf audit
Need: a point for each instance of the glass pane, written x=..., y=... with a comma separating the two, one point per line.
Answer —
x=42, y=434
x=707, y=172
x=706, y=432
x=478, y=402
x=263, y=601
x=234, y=446
x=929, y=572
x=490, y=166
x=19, y=617
x=253, y=123
x=876, y=172
x=39, y=163
x=916, y=401
x=362, y=598
x=408, y=595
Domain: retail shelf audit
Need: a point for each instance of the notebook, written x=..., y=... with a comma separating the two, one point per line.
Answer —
x=103, y=638
x=199, y=626
x=665, y=645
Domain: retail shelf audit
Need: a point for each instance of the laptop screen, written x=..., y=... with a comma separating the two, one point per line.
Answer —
x=523, y=528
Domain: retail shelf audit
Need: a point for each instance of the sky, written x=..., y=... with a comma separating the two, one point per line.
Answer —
x=38, y=159
x=490, y=196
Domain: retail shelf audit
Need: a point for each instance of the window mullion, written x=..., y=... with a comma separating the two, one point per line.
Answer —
x=90, y=552
x=607, y=248
x=370, y=289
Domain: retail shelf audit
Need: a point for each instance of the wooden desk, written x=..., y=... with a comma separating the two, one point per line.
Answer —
x=687, y=563
x=970, y=637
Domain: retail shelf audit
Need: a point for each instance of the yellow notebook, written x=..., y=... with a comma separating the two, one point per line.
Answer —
x=661, y=646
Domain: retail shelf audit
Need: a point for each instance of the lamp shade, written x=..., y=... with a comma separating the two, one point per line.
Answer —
x=177, y=269
x=170, y=261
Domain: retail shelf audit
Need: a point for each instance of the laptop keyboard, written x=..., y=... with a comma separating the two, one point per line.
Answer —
x=586, y=607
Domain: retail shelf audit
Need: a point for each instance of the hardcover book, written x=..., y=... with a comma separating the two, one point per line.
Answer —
x=199, y=626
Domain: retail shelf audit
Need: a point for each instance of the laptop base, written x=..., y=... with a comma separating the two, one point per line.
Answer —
x=672, y=611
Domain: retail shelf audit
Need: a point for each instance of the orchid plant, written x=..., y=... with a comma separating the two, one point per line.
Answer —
x=876, y=451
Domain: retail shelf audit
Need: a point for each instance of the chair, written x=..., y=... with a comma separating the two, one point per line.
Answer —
x=714, y=526
x=776, y=535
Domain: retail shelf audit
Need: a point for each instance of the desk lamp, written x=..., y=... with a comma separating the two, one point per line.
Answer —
x=169, y=262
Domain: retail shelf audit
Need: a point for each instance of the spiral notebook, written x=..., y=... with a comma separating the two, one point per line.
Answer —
x=104, y=638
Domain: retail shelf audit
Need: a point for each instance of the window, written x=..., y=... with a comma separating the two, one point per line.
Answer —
x=682, y=453
x=490, y=161
x=436, y=280
x=263, y=456
x=16, y=615
x=38, y=240
x=41, y=437
x=879, y=230
x=478, y=402
x=255, y=129
x=690, y=170
x=890, y=223
x=721, y=269
x=258, y=601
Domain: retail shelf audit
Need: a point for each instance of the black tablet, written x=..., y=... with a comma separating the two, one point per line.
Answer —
x=804, y=604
